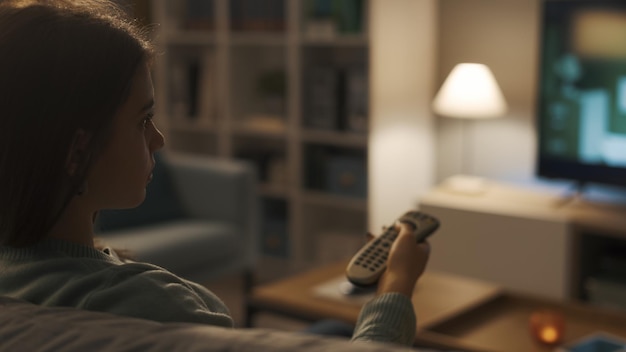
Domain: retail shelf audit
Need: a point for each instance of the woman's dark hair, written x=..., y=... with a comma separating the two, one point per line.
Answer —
x=65, y=66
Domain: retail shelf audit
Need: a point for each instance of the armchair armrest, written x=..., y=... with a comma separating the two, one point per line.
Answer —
x=218, y=189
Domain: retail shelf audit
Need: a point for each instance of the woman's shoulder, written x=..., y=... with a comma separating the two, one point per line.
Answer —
x=147, y=291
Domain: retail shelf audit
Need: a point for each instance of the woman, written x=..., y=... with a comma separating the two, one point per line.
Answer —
x=77, y=136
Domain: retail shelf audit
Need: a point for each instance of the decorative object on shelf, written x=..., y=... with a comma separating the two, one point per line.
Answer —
x=322, y=98
x=271, y=89
x=349, y=15
x=347, y=175
x=319, y=22
x=469, y=92
x=325, y=19
x=547, y=326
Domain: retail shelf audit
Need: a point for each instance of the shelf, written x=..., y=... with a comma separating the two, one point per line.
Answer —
x=336, y=138
x=189, y=37
x=241, y=67
x=266, y=127
x=185, y=125
x=258, y=39
x=332, y=200
x=357, y=40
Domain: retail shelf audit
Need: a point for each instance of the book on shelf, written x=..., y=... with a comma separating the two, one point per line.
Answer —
x=274, y=228
x=270, y=164
x=337, y=98
x=315, y=161
x=334, y=170
x=207, y=95
x=198, y=15
x=357, y=100
x=255, y=15
x=322, y=98
x=178, y=97
x=192, y=79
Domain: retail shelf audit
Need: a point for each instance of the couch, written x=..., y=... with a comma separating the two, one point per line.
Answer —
x=28, y=327
x=200, y=218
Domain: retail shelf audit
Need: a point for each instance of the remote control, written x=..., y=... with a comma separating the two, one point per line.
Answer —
x=369, y=263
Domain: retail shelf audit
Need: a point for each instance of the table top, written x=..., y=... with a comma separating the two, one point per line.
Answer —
x=452, y=311
x=310, y=296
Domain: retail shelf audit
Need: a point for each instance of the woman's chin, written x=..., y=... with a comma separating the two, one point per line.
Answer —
x=135, y=201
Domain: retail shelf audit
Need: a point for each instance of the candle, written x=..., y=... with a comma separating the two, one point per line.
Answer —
x=547, y=326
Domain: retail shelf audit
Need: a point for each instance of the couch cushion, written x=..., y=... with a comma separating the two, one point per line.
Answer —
x=180, y=246
x=161, y=204
x=27, y=327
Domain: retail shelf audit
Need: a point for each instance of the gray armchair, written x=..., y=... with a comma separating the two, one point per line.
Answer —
x=199, y=220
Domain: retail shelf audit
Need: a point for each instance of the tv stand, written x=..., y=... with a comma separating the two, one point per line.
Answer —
x=518, y=238
x=573, y=195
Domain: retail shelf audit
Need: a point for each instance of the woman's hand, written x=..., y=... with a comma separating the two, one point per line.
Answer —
x=407, y=262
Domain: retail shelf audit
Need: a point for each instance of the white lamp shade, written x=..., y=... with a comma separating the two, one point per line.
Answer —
x=470, y=91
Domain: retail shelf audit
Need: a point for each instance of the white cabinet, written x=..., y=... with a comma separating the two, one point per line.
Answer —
x=526, y=240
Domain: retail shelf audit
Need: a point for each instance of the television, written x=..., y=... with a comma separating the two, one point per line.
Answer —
x=581, y=108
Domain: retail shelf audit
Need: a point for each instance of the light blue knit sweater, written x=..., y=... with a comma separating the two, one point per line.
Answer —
x=59, y=273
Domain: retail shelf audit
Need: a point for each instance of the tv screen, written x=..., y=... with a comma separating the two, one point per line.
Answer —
x=582, y=91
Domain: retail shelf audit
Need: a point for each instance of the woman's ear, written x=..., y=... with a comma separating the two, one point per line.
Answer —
x=76, y=155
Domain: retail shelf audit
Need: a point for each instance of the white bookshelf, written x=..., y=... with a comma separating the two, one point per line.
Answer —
x=232, y=121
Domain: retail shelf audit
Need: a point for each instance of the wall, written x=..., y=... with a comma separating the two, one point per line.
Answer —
x=414, y=45
x=402, y=72
x=502, y=34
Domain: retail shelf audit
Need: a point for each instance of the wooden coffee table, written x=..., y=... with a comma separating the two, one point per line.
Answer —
x=452, y=311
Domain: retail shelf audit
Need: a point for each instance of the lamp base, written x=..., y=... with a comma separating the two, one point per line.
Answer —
x=466, y=184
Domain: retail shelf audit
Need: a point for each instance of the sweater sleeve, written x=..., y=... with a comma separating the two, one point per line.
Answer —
x=145, y=292
x=387, y=318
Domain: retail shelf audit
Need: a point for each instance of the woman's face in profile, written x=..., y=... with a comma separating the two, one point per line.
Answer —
x=118, y=178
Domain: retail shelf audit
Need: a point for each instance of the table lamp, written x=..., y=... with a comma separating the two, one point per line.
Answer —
x=469, y=92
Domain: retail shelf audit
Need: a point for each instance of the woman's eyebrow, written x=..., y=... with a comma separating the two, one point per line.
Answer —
x=148, y=106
